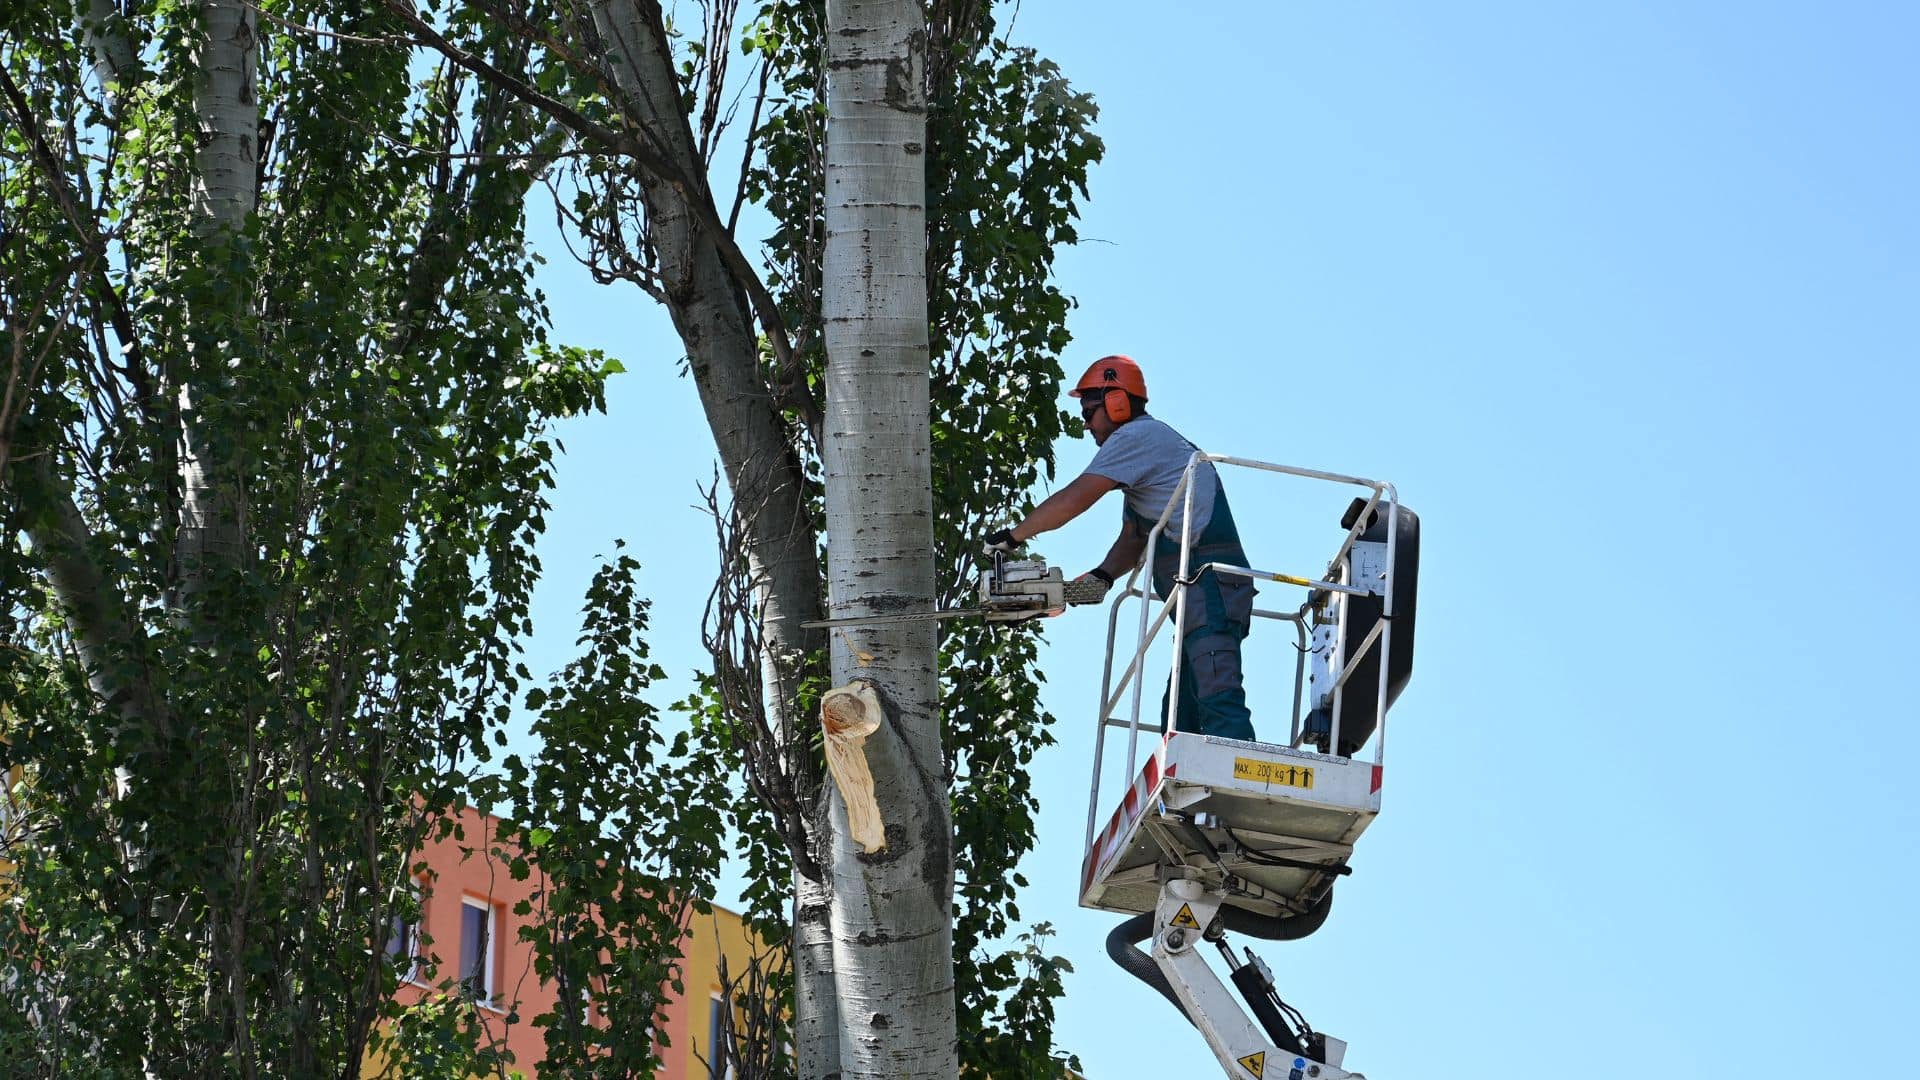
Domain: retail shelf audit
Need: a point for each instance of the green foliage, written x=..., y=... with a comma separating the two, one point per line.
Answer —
x=1010, y=149
x=231, y=753
x=762, y=858
x=433, y=1040
x=1021, y=988
x=622, y=829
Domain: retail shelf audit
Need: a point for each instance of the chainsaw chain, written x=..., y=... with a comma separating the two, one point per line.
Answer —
x=871, y=620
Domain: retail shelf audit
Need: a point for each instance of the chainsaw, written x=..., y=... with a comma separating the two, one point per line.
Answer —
x=1011, y=591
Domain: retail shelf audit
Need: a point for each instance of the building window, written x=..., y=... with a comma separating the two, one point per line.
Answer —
x=719, y=1061
x=403, y=946
x=403, y=936
x=6, y=809
x=476, y=948
x=400, y=939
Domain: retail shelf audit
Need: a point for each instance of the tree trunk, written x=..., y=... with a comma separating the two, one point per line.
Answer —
x=103, y=31
x=722, y=348
x=763, y=474
x=892, y=908
x=211, y=541
x=816, y=1011
x=103, y=637
x=723, y=352
x=228, y=111
x=228, y=114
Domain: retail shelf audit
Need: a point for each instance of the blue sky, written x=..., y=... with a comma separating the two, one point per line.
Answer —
x=1625, y=299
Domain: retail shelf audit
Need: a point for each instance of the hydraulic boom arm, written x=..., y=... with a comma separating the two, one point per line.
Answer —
x=1281, y=1045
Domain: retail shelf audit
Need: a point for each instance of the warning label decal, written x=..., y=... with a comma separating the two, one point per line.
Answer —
x=1273, y=773
x=1184, y=917
x=1255, y=1063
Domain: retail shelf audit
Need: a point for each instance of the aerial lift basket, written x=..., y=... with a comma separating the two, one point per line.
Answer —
x=1216, y=834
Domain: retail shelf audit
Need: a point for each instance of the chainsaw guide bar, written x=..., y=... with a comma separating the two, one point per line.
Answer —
x=1012, y=590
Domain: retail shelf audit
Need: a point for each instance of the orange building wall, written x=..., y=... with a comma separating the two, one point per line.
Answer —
x=520, y=995
x=455, y=877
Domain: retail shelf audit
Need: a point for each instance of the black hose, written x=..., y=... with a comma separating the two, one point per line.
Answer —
x=1278, y=928
x=1123, y=941
x=1122, y=945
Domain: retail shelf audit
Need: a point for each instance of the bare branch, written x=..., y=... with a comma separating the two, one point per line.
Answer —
x=751, y=1022
x=22, y=114
x=692, y=193
x=608, y=257
x=22, y=368
x=731, y=634
x=313, y=31
x=954, y=30
x=746, y=152
x=716, y=53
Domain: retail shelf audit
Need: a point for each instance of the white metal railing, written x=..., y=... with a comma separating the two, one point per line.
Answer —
x=1336, y=579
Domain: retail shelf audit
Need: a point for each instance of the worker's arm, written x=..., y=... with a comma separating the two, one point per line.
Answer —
x=1063, y=506
x=1124, y=555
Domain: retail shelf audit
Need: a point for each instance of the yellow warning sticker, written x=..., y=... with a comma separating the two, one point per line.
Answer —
x=1184, y=917
x=1272, y=772
x=1255, y=1063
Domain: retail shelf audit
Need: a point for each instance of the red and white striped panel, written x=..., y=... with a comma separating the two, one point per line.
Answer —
x=1106, y=847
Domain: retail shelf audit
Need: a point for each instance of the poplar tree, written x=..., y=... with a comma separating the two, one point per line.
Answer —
x=656, y=205
x=275, y=435
x=892, y=890
x=274, y=440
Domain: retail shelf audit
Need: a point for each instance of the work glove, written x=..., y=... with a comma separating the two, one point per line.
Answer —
x=1090, y=587
x=1001, y=540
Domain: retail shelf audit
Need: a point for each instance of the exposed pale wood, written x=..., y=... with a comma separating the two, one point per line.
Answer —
x=849, y=714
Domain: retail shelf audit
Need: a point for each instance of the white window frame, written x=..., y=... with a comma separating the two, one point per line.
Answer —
x=412, y=942
x=6, y=809
x=716, y=1001
x=488, y=942
x=409, y=935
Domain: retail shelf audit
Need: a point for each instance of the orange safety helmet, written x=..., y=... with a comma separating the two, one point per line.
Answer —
x=1113, y=377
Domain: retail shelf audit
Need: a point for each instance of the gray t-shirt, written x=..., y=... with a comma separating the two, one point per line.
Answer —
x=1146, y=458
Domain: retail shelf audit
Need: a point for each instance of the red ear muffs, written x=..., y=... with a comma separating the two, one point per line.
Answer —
x=1119, y=409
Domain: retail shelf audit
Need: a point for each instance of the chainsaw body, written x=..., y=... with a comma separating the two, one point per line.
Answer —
x=1014, y=590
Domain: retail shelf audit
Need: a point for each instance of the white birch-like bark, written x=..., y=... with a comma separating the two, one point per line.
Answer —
x=211, y=534
x=816, y=1011
x=103, y=33
x=892, y=909
x=227, y=111
x=97, y=610
x=724, y=356
x=722, y=350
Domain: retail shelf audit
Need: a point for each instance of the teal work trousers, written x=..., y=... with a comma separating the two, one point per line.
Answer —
x=1212, y=699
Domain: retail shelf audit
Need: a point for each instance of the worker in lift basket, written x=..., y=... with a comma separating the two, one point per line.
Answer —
x=1145, y=458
